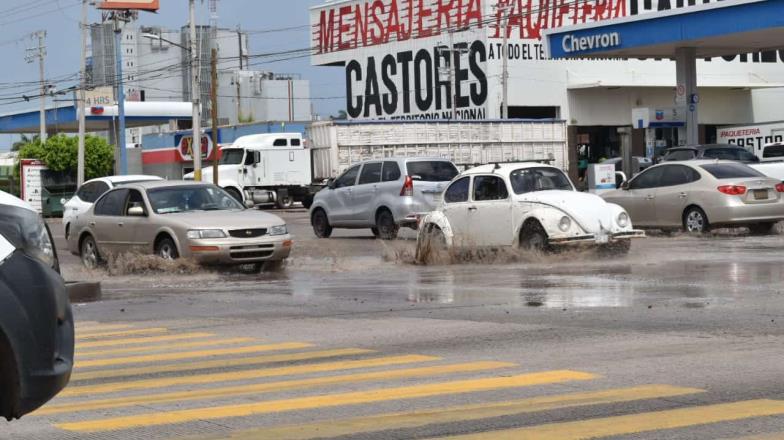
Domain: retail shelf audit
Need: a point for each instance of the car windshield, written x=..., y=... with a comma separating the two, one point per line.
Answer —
x=232, y=156
x=731, y=170
x=191, y=198
x=432, y=171
x=539, y=179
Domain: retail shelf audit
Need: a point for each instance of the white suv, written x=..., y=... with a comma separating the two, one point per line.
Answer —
x=382, y=195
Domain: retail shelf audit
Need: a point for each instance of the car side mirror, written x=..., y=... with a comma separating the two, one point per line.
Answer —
x=249, y=203
x=136, y=211
x=63, y=201
x=331, y=183
x=625, y=185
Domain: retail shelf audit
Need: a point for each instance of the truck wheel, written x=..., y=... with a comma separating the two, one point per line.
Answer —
x=320, y=223
x=307, y=202
x=283, y=202
x=385, y=223
x=234, y=193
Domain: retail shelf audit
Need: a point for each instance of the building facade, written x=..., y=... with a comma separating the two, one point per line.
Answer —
x=435, y=59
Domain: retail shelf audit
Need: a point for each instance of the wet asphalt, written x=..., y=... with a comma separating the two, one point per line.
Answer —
x=705, y=313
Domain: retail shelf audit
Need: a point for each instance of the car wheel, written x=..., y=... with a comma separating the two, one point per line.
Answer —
x=385, y=223
x=320, y=223
x=283, y=202
x=695, y=221
x=533, y=237
x=166, y=249
x=430, y=245
x=616, y=249
x=375, y=232
x=88, y=252
x=767, y=228
x=234, y=193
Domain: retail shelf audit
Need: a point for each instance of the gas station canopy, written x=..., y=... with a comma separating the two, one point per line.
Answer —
x=63, y=119
x=684, y=34
x=716, y=29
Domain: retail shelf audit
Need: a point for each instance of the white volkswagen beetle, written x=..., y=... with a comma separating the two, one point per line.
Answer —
x=525, y=204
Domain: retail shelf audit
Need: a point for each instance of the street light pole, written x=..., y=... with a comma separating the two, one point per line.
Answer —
x=120, y=97
x=82, y=97
x=195, y=95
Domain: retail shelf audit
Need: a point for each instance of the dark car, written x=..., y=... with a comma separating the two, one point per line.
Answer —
x=36, y=323
x=710, y=151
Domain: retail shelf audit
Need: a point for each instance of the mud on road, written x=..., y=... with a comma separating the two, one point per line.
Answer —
x=675, y=270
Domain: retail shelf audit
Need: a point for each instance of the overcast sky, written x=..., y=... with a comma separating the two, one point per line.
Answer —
x=60, y=18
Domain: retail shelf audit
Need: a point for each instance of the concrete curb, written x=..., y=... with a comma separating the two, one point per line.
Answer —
x=84, y=292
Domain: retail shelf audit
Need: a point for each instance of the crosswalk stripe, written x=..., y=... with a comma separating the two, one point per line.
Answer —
x=414, y=419
x=217, y=363
x=108, y=334
x=245, y=375
x=190, y=354
x=637, y=423
x=163, y=347
x=146, y=340
x=325, y=401
x=234, y=391
x=96, y=327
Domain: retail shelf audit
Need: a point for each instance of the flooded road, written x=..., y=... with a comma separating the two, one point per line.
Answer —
x=683, y=328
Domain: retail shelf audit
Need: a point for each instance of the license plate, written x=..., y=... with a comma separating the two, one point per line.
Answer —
x=760, y=194
x=602, y=238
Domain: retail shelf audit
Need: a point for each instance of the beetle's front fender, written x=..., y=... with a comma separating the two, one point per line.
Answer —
x=438, y=220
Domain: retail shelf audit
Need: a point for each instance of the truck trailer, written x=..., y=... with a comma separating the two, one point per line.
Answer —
x=283, y=168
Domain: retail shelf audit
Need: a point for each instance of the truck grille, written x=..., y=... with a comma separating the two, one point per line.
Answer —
x=248, y=233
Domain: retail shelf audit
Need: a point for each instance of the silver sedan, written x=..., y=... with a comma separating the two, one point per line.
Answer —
x=699, y=194
x=179, y=219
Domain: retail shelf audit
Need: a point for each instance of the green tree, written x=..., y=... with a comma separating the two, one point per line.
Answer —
x=23, y=141
x=60, y=153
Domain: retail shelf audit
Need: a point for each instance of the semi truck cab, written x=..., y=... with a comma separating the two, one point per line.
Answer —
x=270, y=168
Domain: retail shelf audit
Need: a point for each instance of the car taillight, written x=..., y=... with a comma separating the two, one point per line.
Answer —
x=408, y=187
x=733, y=190
x=780, y=187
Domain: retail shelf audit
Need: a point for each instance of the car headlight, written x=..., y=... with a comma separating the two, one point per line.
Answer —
x=195, y=234
x=278, y=230
x=623, y=220
x=565, y=223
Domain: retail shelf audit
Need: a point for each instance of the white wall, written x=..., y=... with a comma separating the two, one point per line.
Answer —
x=768, y=104
x=603, y=106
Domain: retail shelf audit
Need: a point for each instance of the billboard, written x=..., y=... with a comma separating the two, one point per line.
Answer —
x=140, y=5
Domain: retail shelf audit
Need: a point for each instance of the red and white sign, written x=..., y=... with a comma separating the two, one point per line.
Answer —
x=185, y=148
x=139, y=5
x=31, y=189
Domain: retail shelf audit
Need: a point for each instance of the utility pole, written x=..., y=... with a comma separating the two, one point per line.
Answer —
x=195, y=94
x=504, y=9
x=40, y=53
x=120, y=93
x=214, y=97
x=82, y=97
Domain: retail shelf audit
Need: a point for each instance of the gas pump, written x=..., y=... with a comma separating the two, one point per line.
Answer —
x=663, y=128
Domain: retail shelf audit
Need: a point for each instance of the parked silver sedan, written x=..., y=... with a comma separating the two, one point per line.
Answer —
x=179, y=219
x=699, y=194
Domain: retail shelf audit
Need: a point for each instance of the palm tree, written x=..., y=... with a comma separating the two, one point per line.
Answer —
x=23, y=141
